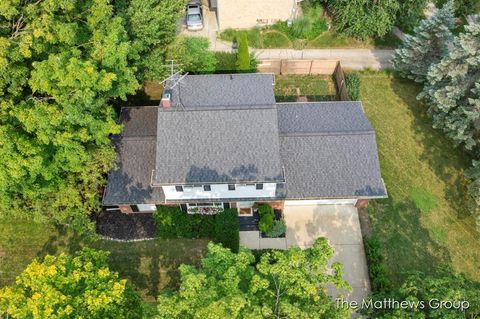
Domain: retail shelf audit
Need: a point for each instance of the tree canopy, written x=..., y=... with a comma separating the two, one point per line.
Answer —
x=443, y=285
x=282, y=284
x=428, y=45
x=81, y=286
x=363, y=18
x=61, y=63
x=151, y=26
x=193, y=54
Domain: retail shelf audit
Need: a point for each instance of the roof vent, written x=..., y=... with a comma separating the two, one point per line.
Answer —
x=166, y=100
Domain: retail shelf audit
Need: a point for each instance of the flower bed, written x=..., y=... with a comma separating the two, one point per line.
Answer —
x=204, y=210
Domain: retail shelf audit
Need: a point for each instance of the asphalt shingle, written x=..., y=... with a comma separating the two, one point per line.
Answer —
x=343, y=117
x=218, y=145
x=224, y=90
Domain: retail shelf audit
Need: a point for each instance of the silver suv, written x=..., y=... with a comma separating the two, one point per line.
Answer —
x=194, y=16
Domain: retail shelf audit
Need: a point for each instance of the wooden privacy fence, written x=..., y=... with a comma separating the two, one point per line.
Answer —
x=318, y=67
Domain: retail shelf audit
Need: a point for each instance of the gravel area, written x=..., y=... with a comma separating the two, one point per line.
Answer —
x=117, y=225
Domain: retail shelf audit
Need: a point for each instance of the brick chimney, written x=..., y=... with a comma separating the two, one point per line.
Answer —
x=166, y=101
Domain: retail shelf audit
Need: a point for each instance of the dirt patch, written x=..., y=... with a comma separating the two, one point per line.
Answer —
x=117, y=225
x=365, y=223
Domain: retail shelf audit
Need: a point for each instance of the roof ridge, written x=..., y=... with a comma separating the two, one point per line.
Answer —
x=328, y=133
x=259, y=107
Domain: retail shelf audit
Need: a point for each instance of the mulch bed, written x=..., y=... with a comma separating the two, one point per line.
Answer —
x=117, y=225
x=365, y=223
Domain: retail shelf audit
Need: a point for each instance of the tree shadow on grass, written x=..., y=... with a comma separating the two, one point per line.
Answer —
x=409, y=245
x=150, y=266
x=447, y=160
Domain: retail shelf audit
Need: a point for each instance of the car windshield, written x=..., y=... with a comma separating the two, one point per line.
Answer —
x=194, y=18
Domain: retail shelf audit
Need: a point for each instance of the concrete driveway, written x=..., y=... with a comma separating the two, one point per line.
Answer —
x=340, y=224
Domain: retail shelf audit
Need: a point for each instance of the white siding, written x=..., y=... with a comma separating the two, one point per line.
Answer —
x=345, y=201
x=146, y=207
x=220, y=191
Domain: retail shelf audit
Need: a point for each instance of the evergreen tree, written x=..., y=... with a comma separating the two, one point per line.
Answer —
x=453, y=89
x=427, y=46
x=243, y=57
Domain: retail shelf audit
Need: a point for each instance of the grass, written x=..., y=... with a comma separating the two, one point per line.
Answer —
x=150, y=265
x=423, y=172
x=268, y=38
x=314, y=87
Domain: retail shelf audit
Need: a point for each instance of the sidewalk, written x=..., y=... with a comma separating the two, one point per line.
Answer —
x=356, y=59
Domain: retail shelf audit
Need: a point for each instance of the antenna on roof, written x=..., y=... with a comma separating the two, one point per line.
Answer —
x=175, y=77
x=173, y=80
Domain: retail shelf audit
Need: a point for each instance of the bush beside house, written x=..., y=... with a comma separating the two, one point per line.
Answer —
x=376, y=264
x=227, y=229
x=224, y=227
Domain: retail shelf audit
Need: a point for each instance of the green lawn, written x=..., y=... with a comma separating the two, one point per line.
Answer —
x=315, y=87
x=270, y=39
x=425, y=222
x=149, y=265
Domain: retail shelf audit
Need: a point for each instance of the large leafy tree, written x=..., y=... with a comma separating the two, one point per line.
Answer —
x=427, y=46
x=60, y=64
x=283, y=284
x=363, y=18
x=152, y=26
x=410, y=14
x=81, y=286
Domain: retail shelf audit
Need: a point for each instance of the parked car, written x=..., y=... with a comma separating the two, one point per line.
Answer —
x=194, y=16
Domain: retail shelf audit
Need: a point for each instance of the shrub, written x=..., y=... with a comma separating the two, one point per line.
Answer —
x=279, y=228
x=243, y=57
x=376, y=264
x=309, y=26
x=227, y=228
x=193, y=54
x=353, y=82
x=226, y=62
x=266, y=217
x=172, y=222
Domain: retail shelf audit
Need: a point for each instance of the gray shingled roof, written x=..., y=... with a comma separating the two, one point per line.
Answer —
x=231, y=130
x=224, y=90
x=322, y=117
x=329, y=151
x=130, y=182
x=218, y=145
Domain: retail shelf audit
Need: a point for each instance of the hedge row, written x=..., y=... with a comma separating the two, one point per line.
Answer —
x=224, y=227
x=376, y=264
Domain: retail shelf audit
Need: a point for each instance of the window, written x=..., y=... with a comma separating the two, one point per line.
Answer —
x=179, y=188
x=207, y=188
x=231, y=187
x=134, y=208
x=206, y=205
x=259, y=186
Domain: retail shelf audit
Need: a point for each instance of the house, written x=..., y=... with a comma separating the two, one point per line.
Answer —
x=243, y=14
x=221, y=141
